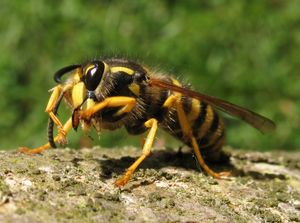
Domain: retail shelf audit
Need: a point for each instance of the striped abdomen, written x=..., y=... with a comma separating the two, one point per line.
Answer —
x=206, y=124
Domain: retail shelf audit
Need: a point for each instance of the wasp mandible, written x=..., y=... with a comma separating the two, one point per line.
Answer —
x=115, y=93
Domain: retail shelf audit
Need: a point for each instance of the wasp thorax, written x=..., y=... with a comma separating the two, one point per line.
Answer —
x=93, y=75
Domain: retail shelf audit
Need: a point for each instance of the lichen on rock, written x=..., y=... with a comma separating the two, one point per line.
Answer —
x=78, y=186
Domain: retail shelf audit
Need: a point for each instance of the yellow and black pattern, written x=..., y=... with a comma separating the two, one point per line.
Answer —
x=206, y=124
x=127, y=78
x=115, y=93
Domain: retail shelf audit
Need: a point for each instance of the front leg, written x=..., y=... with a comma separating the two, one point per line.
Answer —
x=52, y=106
x=66, y=128
x=55, y=98
x=127, y=103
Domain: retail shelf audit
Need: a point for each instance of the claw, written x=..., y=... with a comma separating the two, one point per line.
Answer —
x=224, y=175
x=62, y=139
x=25, y=150
x=61, y=130
x=29, y=151
x=123, y=180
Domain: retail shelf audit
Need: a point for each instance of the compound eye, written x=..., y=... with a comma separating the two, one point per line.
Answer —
x=93, y=75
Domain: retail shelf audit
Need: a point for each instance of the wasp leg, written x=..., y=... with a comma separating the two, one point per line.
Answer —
x=187, y=132
x=152, y=124
x=125, y=109
x=66, y=128
x=57, y=91
x=127, y=103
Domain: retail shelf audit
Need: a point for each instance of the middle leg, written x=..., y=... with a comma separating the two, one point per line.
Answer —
x=152, y=124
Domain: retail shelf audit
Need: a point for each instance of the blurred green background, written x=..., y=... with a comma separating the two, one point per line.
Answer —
x=247, y=52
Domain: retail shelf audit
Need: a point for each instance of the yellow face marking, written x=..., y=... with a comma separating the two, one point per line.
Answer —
x=122, y=69
x=77, y=75
x=78, y=94
x=195, y=110
x=207, y=123
x=134, y=88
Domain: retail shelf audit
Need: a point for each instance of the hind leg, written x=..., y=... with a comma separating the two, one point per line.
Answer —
x=188, y=135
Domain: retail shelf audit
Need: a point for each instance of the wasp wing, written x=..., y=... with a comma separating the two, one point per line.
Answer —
x=258, y=121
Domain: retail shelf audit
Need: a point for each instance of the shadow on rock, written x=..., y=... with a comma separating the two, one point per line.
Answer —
x=161, y=159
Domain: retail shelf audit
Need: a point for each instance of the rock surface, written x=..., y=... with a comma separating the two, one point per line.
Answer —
x=65, y=185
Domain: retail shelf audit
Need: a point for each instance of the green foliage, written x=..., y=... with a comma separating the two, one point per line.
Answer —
x=246, y=52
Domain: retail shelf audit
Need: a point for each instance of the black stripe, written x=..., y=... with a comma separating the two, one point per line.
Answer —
x=164, y=94
x=107, y=114
x=121, y=80
x=154, y=108
x=117, y=85
x=186, y=104
x=209, y=146
x=173, y=123
x=136, y=128
x=201, y=118
x=204, y=141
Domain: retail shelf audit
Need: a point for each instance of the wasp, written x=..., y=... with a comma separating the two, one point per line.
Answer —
x=114, y=93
